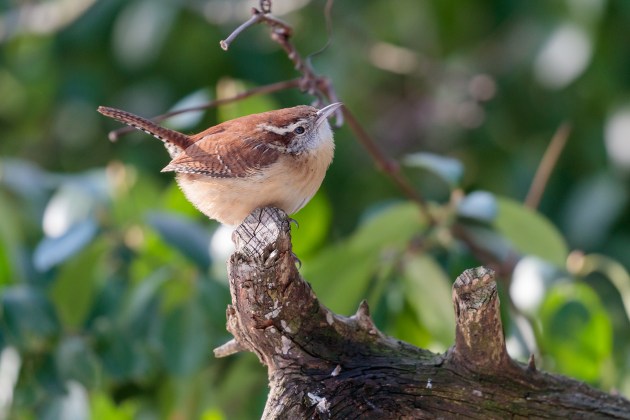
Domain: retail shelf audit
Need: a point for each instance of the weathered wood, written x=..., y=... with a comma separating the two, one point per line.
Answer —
x=323, y=365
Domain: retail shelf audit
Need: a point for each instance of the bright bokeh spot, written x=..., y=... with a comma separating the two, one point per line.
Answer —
x=617, y=137
x=527, y=289
x=564, y=57
x=221, y=245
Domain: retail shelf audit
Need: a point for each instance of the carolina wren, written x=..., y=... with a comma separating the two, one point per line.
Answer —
x=276, y=158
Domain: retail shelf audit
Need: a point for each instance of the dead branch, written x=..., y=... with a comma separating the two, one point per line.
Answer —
x=324, y=365
x=259, y=90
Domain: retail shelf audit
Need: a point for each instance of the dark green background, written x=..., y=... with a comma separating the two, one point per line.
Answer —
x=119, y=314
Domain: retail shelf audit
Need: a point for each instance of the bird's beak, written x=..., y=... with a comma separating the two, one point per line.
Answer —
x=323, y=113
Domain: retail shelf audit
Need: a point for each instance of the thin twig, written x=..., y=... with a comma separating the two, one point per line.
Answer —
x=265, y=6
x=388, y=166
x=504, y=267
x=259, y=90
x=281, y=33
x=322, y=88
x=225, y=43
x=547, y=164
x=329, y=30
x=257, y=17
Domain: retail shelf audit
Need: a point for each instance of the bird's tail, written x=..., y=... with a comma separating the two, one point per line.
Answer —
x=174, y=141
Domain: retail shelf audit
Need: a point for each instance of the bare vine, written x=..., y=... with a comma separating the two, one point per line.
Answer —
x=259, y=90
x=309, y=82
x=321, y=87
x=281, y=33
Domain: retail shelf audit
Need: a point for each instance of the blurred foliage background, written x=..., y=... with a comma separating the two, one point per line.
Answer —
x=113, y=288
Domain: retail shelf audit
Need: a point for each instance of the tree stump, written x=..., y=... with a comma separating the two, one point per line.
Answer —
x=323, y=365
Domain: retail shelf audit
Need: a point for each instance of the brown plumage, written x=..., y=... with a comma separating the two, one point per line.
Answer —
x=275, y=158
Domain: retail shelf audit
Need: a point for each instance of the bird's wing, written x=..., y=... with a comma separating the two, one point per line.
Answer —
x=217, y=155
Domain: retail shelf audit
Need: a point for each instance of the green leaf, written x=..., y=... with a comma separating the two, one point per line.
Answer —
x=5, y=265
x=488, y=239
x=71, y=404
x=314, y=224
x=252, y=105
x=10, y=241
x=136, y=196
x=240, y=384
x=174, y=201
x=117, y=355
x=188, y=120
x=341, y=274
x=427, y=288
x=143, y=299
x=26, y=179
x=577, y=331
x=185, y=235
x=76, y=361
x=213, y=414
x=53, y=251
x=29, y=318
x=448, y=169
x=603, y=194
x=103, y=408
x=530, y=232
x=213, y=297
x=406, y=327
x=107, y=303
x=391, y=226
x=185, y=340
x=74, y=288
x=478, y=205
x=126, y=343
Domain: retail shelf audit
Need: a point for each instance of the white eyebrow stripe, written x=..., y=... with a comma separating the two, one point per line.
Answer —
x=281, y=130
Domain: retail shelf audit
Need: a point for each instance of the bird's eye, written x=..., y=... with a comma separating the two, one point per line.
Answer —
x=299, y=130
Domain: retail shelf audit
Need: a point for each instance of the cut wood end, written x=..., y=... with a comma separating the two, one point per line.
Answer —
x=260, y=230
x=474, y=278
x=474, y=290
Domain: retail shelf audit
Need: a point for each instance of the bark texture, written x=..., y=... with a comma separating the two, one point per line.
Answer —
x=323, y=365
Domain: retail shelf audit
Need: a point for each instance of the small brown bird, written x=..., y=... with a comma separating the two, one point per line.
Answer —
x=276, y=158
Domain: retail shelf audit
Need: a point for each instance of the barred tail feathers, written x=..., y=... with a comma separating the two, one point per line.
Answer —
x=174, y=141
